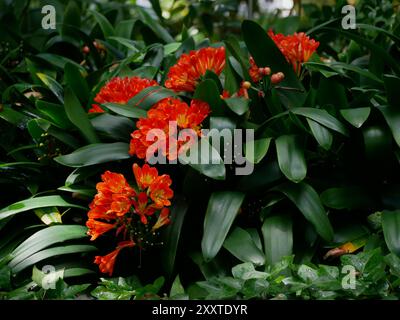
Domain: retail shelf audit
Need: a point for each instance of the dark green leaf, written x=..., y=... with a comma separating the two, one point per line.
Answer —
x=221, y=212
x=357, y=116
x=94, y=154
x=391, y=230
x=173, y=232
x=79, y=117
x=321, y=134
x=241, y=245
x=308, y=202
x=278, y=238
x=76, y=82
x=291, y=158
x=34, y=203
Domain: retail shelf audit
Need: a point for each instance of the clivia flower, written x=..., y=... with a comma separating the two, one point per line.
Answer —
x=120, y=90
x=118, y=206
x=189, y=69
x=166, y=112
x=256, y=73
x=106, y=263
x=297, y=48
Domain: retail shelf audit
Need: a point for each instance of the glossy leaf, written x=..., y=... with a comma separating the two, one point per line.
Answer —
x=391, y=230
x=94, y=154
x=321, y=134
x=306, y=199
x=257, y=152
x=356, y=116
x=278, y=238
x=291, y=158
x=78, y=116
x=172, y=234
x=322, y=117
x=221, y=212
x=241, y=245
x=34, y=203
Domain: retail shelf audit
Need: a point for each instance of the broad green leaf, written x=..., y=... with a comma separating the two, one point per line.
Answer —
x=391, y=230
x=105, y=25
x=241, y=245
x=60, y=61
x=257, y=153
x=267, y=54
x=321, y=134
x=34, y=203
x=322, y=117
x=130, y=44
x=154, y=25
x=173, y=232
x=55, y=112
x=238, y=105
x=76, y=82
x=348, y=198
x=94, y=154
x=14, y=117
x=291, y=158
x=126, y=111
x=46, y=238
x=49, y=253
x=356, y=116
x=49, y=215
x=116, y=127
x=79, y=117
x=308, y=202
x=149, y=97
x=392, y=85
x=72, y=17
x=278, y=238
x=392, y=117
x=53, y=85
x=222, y=209
x=148, y=72
x=207, y=91
x=124, y=28
x=204, y=158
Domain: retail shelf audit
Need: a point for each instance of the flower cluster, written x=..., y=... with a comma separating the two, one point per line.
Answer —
x=120, y=207
x=160, y=117
x=189, y=69
x=120, y=90
x=297, y=48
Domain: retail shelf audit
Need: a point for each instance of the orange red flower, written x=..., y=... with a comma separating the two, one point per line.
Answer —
x=120, y=90
x=189, y=69
x=162, y=220
x=160, y=117
x=106, y=263
x=116, y=205
x=256, y=73
x=297, y=48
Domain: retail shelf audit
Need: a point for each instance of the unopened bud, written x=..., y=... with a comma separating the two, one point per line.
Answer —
x=265, y=71
x=246, y=85
x=277, y=77
x=85, y=49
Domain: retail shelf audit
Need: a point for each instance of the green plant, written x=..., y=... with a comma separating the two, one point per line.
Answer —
x=325, y=155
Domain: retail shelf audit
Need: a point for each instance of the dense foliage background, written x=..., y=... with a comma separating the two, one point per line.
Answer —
x=324, y=194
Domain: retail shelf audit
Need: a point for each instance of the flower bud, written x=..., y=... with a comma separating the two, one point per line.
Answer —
x=277, y=77
x=246, y=85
